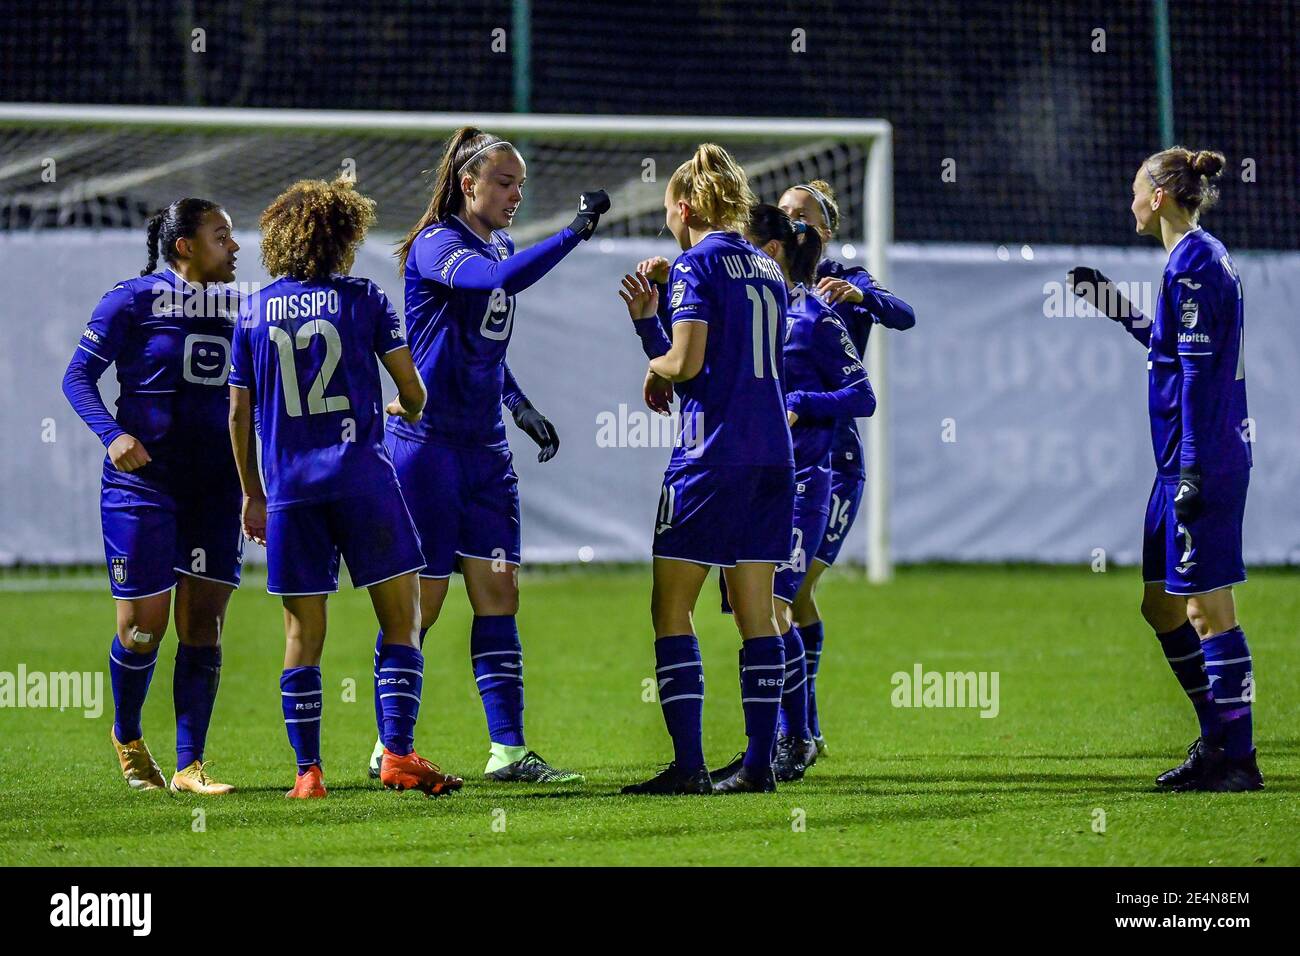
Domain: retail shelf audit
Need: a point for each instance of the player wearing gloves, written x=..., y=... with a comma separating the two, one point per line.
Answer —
x=1192, y=554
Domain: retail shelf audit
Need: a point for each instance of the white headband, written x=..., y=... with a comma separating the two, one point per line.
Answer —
x=821, y=201
x=476, y=155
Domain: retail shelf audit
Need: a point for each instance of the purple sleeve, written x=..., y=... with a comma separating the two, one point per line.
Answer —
x=100, y=343
x=653, y=340
x=390, y=333
x=653, y=333
x=241, y=358
x=512, y=396
x=1137, y=325
x=81, y=386
x=443, y=256
x=878, y=304
x=851, y=395
x=1200, y=338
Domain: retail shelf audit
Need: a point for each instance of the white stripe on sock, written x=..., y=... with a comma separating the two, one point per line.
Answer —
x=669, y=700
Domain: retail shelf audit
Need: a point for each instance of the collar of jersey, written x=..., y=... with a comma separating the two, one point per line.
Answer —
x=1180, y=242
x=183, y=283
x=473, y=234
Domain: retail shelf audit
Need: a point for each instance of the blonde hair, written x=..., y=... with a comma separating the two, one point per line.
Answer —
x=716, y=188
x=1186, y=174
x=313, y=228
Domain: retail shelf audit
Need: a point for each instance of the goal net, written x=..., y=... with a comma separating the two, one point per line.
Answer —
x=112, y=167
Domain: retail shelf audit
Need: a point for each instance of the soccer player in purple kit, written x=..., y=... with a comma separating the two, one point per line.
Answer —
x=728, y=492
x=170, y=496
x=860, y=303
x=462, y=274
x=304, y=356
x=1191, y=552
x=826, y=386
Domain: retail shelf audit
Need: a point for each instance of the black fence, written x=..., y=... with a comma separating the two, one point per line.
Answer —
x=1039, y=112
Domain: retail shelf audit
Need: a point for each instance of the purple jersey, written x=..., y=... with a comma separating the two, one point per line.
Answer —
x=825, y=382
x=170, y=341
x=460, y=312
x=878, y=305
x=306, y=351
x=1197, y=379
x=733, y=411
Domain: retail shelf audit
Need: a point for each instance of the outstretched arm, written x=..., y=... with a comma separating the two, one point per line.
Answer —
x=857, y=291
x=1103, y=295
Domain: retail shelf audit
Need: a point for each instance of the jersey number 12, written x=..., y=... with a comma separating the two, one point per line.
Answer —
x=317, y=400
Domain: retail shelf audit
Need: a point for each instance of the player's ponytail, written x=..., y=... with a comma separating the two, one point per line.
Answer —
x=801, y=245
x=180, y=220
x=1187, y=175
x=715, y=187
x=151, y=241
x=464, y=153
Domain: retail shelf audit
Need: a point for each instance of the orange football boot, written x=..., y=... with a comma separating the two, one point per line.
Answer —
x=413, y=772
x=309, y=785
x=139, y=769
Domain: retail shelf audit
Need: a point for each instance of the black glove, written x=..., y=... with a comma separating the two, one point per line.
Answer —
x=590, y=206
x=1187, y=499
x=535, y=426
x=1098, y=291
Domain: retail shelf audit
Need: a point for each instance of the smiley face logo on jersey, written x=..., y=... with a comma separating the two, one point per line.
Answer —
x=499, y=317
x=206, y=360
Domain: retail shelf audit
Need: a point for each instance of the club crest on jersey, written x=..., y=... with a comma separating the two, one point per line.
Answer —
x=1191, y=312
x=118, y=568
x=679, y=292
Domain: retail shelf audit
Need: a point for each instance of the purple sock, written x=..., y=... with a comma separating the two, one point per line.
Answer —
x=1182, y=647
x=194, y=692
x=680, y=676
x=761, y=675
x=812, y=635
x=794, y=692
x=129, y=674
x=300, y=699
x=399, y=684
x=1227, y=661
x=379, y=711
x=498, y=661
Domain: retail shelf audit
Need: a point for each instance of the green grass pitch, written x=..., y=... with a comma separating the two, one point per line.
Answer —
x=1088, y=714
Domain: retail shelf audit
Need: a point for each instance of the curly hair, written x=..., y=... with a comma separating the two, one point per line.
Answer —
x=313, y=228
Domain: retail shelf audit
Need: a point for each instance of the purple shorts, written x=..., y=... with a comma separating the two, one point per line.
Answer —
x=725, y=515
x=1205, y=553
x=373, y=533
x=465, y=502
x=149, y=539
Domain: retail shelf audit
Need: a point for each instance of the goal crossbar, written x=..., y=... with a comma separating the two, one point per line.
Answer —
x=875, y=135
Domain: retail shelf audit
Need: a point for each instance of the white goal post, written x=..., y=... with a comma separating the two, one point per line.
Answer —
x=873, y=136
